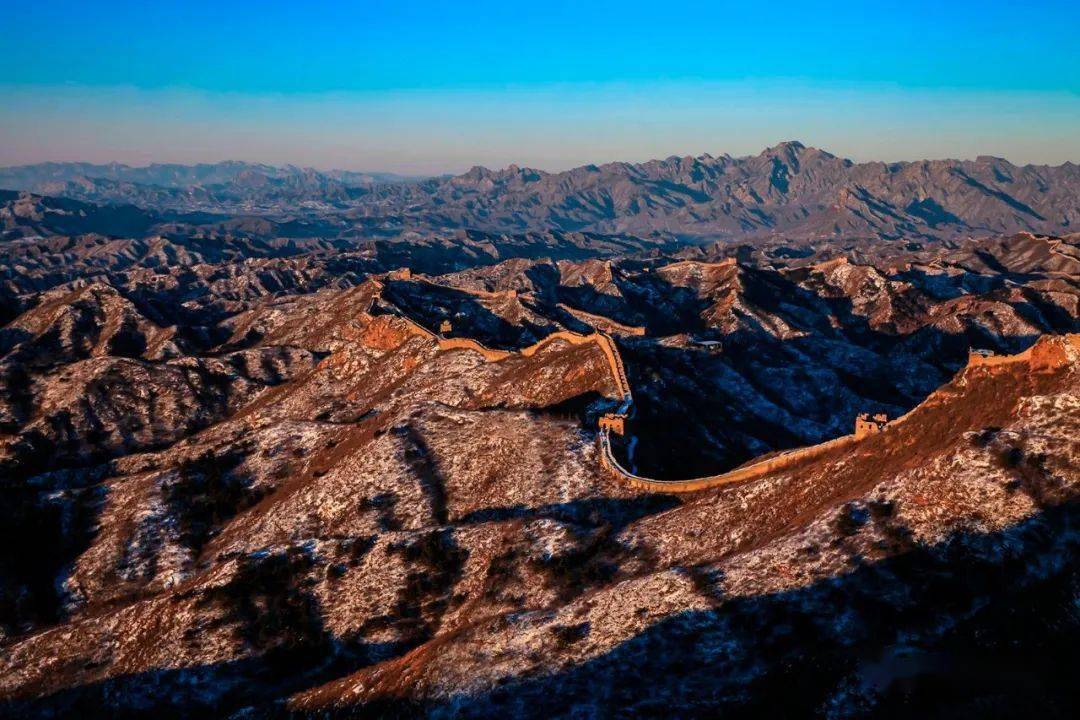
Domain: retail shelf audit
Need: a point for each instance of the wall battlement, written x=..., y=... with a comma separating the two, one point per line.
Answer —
x=1047, y=355
x=598, y=321
x=747, y=472
x=988, y=358
x=603, y=341
x=725, y=263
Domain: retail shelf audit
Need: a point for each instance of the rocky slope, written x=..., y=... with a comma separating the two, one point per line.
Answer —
x=241, y=484
x=822, y=582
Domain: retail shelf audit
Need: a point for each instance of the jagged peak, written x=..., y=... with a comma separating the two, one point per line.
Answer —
x=477, y=172
x=786, y=145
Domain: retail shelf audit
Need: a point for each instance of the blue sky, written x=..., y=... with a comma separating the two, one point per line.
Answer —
x=439, y=86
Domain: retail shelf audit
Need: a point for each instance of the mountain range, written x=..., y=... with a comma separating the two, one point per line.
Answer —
x=278, y=443
x=789, y=190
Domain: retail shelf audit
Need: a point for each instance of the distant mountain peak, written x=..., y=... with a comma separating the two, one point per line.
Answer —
x=788, y=145
x=478, y=172
x=789, y=188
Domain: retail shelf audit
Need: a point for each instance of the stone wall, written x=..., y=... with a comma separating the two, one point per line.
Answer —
x=601, y=323
x=1048, y=354
x=756, y=470
x=604, y=342
x=458, y=343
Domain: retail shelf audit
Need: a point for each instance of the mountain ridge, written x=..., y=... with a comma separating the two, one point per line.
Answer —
x=788, y=190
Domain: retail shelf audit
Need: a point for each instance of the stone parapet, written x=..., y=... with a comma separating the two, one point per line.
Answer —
x=756, y=470
x=1049, y=354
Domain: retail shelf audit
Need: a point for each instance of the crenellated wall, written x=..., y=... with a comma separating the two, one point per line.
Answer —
x=979, y=359
x=1048, y=354
x=604, y=342
x=615, y=422
x=601, y=322
x=459, y=343
x=742, y=474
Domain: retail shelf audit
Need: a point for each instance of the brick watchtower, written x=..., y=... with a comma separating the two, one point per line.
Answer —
x=613, y=422
x=866, y=425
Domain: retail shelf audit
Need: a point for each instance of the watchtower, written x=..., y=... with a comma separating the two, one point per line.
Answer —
x=613, y=422
x=866, y=425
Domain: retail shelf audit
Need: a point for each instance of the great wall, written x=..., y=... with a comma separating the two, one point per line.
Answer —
x=1041, y=357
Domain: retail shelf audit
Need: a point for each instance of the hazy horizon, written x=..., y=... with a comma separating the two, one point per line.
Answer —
x=429, y=89
x=503, y=165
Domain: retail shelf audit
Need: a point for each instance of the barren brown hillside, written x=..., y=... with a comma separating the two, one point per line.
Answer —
x=319, y=483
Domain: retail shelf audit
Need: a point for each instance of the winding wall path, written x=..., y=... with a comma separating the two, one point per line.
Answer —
x=741, y=474
x=1043, y=355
